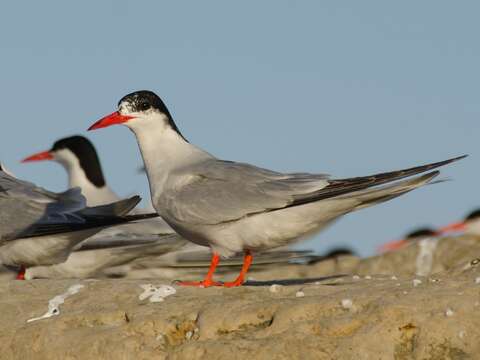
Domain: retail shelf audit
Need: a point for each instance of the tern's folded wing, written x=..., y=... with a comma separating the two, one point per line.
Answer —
x=217, y=191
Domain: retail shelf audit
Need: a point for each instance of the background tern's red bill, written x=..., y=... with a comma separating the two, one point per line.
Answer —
x=44, y=155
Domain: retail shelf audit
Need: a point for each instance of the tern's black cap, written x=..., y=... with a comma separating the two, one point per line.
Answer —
x=474, y=215
x=423, y=232
x=144, y=100
x=339, y=252
x=84, y=150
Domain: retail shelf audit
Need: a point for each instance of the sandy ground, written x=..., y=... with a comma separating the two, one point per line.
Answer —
x=375, y=308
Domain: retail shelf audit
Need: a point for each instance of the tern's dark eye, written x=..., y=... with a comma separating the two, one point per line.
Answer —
x=144, y=106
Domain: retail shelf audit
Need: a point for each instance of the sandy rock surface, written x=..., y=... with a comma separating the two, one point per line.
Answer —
x=302, y=312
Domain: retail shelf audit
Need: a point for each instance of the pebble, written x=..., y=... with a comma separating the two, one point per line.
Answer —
x=449, y=312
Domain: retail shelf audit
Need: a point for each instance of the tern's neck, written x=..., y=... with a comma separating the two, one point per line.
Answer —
x=164, y=151
x=95, y=195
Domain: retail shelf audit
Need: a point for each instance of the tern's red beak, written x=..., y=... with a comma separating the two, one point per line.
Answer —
x=455, y=227
x=392, y=245
x=112, y=119
x=44, y=155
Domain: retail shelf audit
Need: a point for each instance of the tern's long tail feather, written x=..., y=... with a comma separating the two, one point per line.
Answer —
x=340, y=187
x=378, y=195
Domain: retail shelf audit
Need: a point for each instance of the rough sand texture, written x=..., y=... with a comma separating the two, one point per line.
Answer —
x=349, y=317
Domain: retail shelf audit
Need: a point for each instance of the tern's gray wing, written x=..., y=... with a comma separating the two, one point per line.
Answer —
x=23, y=204
x=27, y=210
x=216, y=191
x=89, y=218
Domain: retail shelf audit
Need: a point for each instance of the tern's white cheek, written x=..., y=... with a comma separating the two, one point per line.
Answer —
x=66, y=158
x=148, y=122
x=473, y=227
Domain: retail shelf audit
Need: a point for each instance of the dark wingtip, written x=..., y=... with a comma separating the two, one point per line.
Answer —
x=457, y=158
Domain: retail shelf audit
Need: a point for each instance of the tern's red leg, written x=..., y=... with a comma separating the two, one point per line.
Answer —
x=208, y=281
x=21, y=273
x=247, y=261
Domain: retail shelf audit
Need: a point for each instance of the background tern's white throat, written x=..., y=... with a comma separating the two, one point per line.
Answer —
x=234, y=207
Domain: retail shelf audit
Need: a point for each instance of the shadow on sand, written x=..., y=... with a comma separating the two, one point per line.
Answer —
x=286, y=282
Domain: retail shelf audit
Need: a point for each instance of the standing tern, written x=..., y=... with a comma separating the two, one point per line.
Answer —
x=233, y=207
x=39, y=227
x=115, y=246
x=470, y=225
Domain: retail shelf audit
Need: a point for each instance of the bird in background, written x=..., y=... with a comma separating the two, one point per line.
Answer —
x=413, y=236
x=39, y=227
x=78, y=157
x=233, y=207
x=470, y=225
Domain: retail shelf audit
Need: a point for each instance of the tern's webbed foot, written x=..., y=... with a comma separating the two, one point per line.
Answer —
x=203, y=283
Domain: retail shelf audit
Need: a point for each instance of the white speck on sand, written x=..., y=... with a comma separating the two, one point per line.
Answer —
x=416, y=282
x=156, y=293
x=394, y=277
x=299, y=294
x=347, y=303
x=275, y=288
x=449, y=312
x=477, y=280
x=356, y=277
x=54, y=304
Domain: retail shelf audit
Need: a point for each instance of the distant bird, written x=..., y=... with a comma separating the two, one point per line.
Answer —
x=415, y=235
x=39, y=227
x=235, y=207
x=79, y=158
x=470, y=225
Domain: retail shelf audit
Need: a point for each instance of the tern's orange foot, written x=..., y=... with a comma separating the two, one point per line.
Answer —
x=203, y=283
x=235, y=283
x=21, y=274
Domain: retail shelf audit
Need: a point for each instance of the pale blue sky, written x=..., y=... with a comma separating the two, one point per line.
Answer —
x=347, y=88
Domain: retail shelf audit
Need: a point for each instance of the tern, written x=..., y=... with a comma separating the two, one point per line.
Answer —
x=233, y=207
x=413, y=236
x=39, y=227
x=122, y=244
x=78, y=157
x=470, y=225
